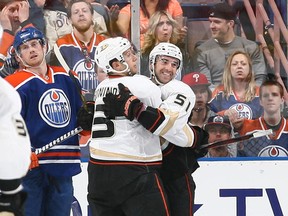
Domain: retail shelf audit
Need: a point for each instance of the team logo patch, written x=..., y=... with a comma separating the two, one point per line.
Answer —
x=86, y=74
x=273, y=151
x=243, y=110
x=54, y=108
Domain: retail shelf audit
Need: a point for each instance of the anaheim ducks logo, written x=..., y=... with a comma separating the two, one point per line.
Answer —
x=273, y=151
x=243, y=110
x=103, y=47
x=54, y=108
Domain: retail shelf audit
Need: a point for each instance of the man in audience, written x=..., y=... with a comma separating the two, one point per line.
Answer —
x=219, y=128
x=75, y=51
x=210, y=57
x=13, y=16
x=200, y=86
x=275, y=145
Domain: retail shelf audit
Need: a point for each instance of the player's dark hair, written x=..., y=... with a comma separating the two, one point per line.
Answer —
x=69, y=12
x=272, y=83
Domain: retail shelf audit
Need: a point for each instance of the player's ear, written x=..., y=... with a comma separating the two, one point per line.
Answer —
x=115, y=65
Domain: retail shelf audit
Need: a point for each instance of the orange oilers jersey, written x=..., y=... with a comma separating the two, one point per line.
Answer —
x=275, y=145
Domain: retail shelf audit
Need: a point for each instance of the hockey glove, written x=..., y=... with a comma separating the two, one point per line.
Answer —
x=201, y=138
x=34, y=161
x=125, y=103
x=85, y=116
x=13, y=203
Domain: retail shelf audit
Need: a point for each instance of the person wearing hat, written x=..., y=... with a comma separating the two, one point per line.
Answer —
x=200, y=86
x=210, y=56
x=219, y=128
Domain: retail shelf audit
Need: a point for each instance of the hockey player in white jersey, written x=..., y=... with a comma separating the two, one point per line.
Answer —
x=178, y=101
x=15, y=150
x=124, y=156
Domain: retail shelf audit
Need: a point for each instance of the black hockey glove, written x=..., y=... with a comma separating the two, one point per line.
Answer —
x=85, y=115
x=13, y=203
x=125, y=103
x=201, y=138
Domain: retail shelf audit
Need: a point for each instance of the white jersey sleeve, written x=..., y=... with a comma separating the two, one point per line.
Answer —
x=15, y=142
x=178, y=100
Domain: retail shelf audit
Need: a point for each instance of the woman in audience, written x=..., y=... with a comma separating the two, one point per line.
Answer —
x=162, y=28
x=147, y=9
x=238, y=91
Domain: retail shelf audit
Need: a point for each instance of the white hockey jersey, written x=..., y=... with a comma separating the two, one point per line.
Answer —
x=120, y=139
x=15, y=142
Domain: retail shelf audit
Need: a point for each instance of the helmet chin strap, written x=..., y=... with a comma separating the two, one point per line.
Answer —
x=27, y=65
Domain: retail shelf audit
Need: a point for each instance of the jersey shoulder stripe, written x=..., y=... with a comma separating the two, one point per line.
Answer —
x=19, y=77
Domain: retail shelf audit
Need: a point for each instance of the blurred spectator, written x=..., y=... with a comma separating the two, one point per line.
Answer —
x=13, y=16
x=210, y=56
x=58, y=24
x=275, y=145
x=238, y=91
x=162, y=28
x=36, y=14
x=219, y=128
x=147, y=9
x=120, y=3
x=75, y=51
x=200, y=86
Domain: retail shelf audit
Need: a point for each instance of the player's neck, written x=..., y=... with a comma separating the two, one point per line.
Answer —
x=40, y=70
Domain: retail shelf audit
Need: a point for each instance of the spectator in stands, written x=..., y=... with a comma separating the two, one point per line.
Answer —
x=219, y=128
x=275, y=145
x=200, y=86
x=36, y=14
x=238, y=90
x=13, y=16
x=162, y=28
x=58, y=24
x=147, y=9
x=75, y=51
x=210, y=56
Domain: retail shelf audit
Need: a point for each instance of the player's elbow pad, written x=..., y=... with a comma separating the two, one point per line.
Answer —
x=151, y=118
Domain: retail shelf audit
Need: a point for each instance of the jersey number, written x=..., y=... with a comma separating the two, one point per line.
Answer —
x=180, y=99
x=20, y=127
x=107, y=124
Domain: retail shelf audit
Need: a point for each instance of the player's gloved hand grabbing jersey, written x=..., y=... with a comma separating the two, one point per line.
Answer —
x=201, y=138
x=125, y=103
x=128, y=105
x=85, y=116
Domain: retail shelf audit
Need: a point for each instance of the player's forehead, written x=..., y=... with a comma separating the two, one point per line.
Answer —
x=169, y=58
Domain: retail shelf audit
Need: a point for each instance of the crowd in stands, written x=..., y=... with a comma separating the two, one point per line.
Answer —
x=234, y=95
x=72, y=32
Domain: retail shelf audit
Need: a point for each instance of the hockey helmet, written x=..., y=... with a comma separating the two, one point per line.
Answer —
x=111, y=49
x=166, y=49
x=27, y=34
